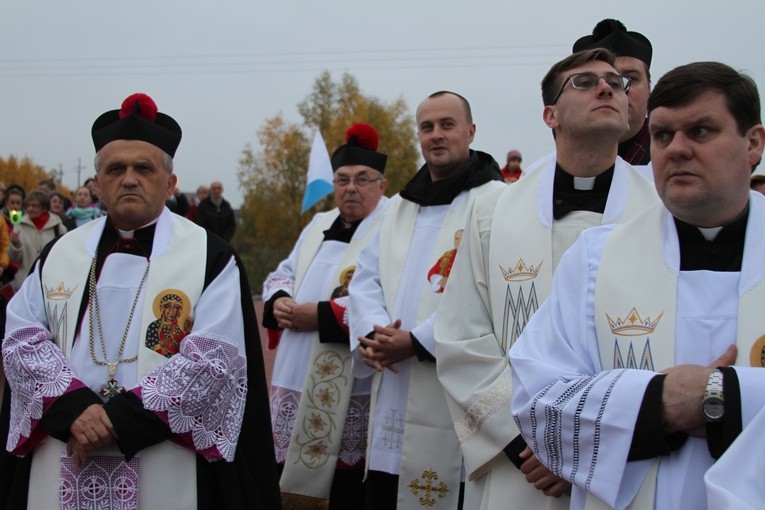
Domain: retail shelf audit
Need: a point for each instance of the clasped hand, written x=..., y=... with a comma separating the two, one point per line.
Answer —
x=91, y=431
x=389, y=345
x=297, y=317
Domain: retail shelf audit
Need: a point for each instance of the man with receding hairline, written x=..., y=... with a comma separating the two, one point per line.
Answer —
x=413, y=458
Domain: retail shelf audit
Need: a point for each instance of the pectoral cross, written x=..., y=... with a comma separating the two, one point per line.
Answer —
x=112, y=388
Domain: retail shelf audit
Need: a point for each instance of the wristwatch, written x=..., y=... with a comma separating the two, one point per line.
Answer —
x=713, y=405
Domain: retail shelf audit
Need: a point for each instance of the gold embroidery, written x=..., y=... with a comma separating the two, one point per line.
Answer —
x=323, y=395
x=522, y=272
x=633, y=324
x=757, y=354
x=430, y=489
x=59, y=292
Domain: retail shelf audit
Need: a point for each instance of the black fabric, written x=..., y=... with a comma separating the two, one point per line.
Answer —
x=649, y=439
x=341, y=231
x=62, y=413
x=330, y=331
x=566, y=198
x=724, y=253
x=720, y=435
x=178, y=204
x=269, y=320
x=14, y=471
x=382, y=491
x=215, y=219
x=514, y=449
x=136, y=427
x=480, y=169
x=421, y=352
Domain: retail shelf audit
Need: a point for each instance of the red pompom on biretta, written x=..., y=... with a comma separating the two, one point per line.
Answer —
x=140, y=104
x=362, y=135
x=137, y=119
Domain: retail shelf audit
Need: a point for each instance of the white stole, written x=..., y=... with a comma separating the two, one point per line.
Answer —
x=635, y=303
x=64, y=277
x=434, y=477
x=317, y=434
x=523, y=255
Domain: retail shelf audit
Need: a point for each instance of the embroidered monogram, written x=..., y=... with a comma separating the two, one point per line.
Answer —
x=429, y=490
x=646, y=359
x=517, y=312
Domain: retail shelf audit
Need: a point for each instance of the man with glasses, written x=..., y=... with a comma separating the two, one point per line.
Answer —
x=414, y=459
x=622, y=382
x=634, y=53
x=306, y=299
x=503, y=271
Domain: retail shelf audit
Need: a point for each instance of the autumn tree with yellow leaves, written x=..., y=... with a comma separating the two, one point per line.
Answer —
x=273, y=179
x=23, y=172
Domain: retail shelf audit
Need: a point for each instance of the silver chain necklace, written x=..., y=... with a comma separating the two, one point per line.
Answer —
x=112, y=387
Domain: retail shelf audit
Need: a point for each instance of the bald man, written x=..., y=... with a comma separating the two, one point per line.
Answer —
x=215, y=213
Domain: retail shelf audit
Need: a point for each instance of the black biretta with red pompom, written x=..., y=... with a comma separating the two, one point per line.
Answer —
x=138, y=119
x=361, y=143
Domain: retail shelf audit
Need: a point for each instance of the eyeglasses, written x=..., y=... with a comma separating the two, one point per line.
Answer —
x=360, y=182
x=585, y=81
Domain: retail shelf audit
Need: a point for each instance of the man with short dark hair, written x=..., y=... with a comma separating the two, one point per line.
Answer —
x=108, y=405
x=758, y=183
x=628, y=363
x=633, y=59
x=503, y=271
x=215, y=214
x=413, y=454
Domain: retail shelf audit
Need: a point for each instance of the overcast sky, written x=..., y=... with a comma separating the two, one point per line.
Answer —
x=221, y=67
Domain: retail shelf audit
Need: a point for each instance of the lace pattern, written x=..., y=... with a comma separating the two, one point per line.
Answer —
x=482, y=405
x=36, y=369
x=273, y=284
x=284, y=410
x=104, y=482
x=203, y=392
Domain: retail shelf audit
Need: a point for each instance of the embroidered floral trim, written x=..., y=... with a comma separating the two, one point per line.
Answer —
x=273, y=284
x=203, y=392
x=35, y=369
x=483, y=405
x=284, y=408
x=104, y=482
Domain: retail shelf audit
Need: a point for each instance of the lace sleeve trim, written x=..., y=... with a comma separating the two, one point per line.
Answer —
x=203, y=392
x=37, y=371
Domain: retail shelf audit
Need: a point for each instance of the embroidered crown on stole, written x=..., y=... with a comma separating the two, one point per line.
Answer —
x=521, y=304
x=58, y=317
x=633, y=325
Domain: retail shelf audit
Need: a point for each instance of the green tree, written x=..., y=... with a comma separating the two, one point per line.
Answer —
x=274, y=178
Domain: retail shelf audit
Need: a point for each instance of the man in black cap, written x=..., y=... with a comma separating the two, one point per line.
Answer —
x=305, y=311
x=101, y=413
x=633, y=60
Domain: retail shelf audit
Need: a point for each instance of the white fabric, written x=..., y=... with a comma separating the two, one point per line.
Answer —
x=475, y=319
x=408, y=407
x=217, y=329
x=578, y=418
x=306, y=368
x=737, y=479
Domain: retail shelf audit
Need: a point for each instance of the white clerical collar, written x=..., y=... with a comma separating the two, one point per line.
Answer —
x=710, y=233
x=584, y=183
x=130, y=234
